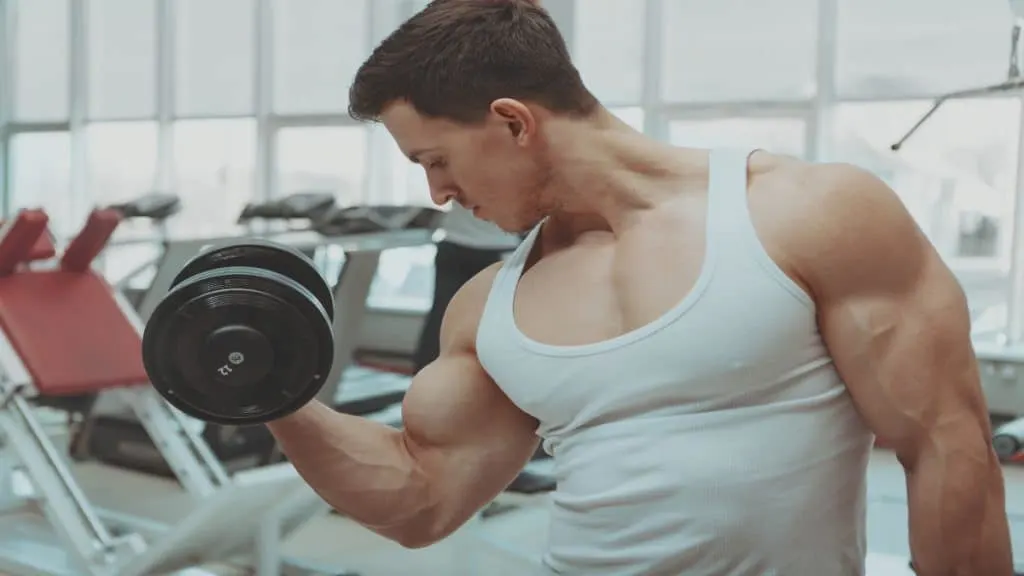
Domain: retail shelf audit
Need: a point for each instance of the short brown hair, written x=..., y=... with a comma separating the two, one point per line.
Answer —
x=455, y=57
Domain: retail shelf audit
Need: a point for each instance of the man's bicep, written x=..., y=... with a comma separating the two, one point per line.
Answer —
x=458, y=423
x=465, y=434
x=895, y=321
x=457, y=386
x=453, y=403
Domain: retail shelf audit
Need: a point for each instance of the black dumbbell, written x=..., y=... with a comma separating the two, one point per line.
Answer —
x=244, y=335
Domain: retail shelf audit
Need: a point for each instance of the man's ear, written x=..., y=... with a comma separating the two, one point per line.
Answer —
x=517, y=116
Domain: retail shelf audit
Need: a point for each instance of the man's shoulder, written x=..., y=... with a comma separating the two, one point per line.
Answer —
x=819, y=195
x=474, y=293
x=466, y=308
x=813, y=181
x=813, y=217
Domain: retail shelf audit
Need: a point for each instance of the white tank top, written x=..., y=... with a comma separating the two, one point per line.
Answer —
x=717, y=440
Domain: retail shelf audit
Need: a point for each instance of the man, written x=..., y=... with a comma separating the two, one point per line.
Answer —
x=705, y=341
x=469, y=246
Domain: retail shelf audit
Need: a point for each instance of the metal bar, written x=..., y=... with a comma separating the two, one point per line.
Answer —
x=164, y=25
x=5, y=104
x=817, y=140
x=264, y=94
x=189, y=456
x=125, y=280
x=199, y=446
x=28, y=127
x=1001, y=88
x=349, y=311
x=917, y=125
x=1015, y=302
x=311, y=120
x=715, y=111
x=180, y=449
x=79, y=105
x=656, y=124
x=79, y=500
x=68, y=512
x=173, y=259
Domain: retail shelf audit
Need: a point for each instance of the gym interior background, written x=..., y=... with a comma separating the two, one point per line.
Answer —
x=232, y=101
x=224, y=103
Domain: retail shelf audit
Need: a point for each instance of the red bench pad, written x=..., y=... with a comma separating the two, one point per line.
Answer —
x=43, y=249
x=69, y=332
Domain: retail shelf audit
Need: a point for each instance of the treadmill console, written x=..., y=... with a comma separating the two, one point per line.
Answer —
x=367, y=219
x=156, y=206
x=303, y=205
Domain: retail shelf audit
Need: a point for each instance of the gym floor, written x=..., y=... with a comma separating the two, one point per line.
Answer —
x=337, y=541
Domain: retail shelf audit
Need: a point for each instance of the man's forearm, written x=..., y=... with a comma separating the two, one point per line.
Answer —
x=958, y=524
x=363, y=469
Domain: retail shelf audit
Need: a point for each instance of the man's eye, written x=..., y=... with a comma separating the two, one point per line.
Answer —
x=436, y=164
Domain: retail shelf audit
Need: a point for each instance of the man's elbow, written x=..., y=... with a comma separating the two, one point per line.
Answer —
x=417, y=540
x=964, y=445
x=964, y=451
x=410, y=539
x=426, y=529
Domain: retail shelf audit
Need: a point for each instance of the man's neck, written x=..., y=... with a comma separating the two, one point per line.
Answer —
x=604, y=173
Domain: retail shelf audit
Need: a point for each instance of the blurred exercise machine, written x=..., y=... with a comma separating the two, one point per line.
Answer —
x=300, y=208
x=155, y=208
x=1008, y=441
x=113, y=434
x=295, y=212
x=49, y=320
x=306, y=207
x=1002, y=375
x=360, y=234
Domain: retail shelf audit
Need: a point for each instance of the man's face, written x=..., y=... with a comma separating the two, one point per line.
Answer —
x=493, y=168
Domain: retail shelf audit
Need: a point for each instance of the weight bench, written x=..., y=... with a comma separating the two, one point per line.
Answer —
x=65, y=332
x=42, y=250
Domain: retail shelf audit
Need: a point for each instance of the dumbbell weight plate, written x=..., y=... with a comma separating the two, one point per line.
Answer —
x=266, y=255
x=238, y=345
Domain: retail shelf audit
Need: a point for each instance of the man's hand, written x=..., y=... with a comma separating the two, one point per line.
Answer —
x=896, y=323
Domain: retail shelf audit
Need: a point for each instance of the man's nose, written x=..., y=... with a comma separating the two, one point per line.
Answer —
x=441, y=195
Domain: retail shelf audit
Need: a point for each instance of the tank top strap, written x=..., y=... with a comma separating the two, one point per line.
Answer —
x=512, y=268
x=522, y=252
x=727, y=192
x=497, y=318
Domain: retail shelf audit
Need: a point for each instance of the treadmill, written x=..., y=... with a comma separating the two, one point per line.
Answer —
x=359, y=234
x=303, y=206
x=156, y=208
